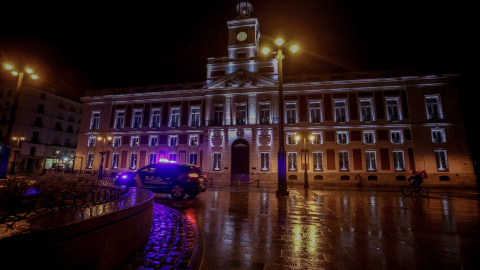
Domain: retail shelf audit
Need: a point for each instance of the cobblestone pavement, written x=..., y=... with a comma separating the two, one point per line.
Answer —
x=336, y=228
x=172, y=244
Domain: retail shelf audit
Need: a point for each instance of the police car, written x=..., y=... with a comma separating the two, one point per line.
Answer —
x=166, y=177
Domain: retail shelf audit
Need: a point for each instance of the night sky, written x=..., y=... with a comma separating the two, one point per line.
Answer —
x=90, y=46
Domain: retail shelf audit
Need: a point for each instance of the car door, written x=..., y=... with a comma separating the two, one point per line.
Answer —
x=149, y=176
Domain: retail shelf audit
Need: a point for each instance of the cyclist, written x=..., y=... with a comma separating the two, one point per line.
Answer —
x=417, y=179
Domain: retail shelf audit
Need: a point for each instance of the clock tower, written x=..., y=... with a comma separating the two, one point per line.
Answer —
x=243, y=50
x=243, y=33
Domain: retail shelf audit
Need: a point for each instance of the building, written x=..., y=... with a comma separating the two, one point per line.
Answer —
x=380, y=125
x=48, y=123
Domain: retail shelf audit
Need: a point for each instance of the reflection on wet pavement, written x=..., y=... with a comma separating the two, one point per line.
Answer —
x=252, y=228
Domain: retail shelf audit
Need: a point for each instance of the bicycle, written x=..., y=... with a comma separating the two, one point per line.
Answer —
x=410, y=189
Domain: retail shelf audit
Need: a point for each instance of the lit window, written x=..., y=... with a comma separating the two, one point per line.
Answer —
x=195, y=116
x=119, y=120
x=175, y=117
x=343, y=160
x=155, y=118
x=89, y=164
x=264, y=113
x=317, y=161
x=192, y=158
x=317, y=137
x=315, y=112
x=218, y=116
x=153, y=140
x=117, y=141
x=292, y=161
x=438, y=135
x=433, y=107
x=193, y=140
x=217, y=161
x=152, y=158
x=95, y=121
x=137, y=119
x=341, y=114
x=342, y=137
x=393, y=109
x=115, y=159
x=134, y=141
x=366, y=110
x=399, y=161
x=396, y=136
x=291, y=113
x=369, y=137
x=133, y=161
x=241, y=114
x=172, y=140
x=371, y=160
x=291, y=138
x=441, y=159
x=264, y=161
x=91, y=141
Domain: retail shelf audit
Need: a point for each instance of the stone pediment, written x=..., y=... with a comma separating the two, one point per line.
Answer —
x=241, y=79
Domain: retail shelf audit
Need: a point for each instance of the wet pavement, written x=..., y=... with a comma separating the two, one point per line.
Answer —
x=333, y=228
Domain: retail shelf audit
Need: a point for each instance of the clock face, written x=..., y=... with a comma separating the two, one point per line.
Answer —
x=242, y=36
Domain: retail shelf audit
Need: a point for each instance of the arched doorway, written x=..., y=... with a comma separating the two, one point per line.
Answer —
x=240, y=161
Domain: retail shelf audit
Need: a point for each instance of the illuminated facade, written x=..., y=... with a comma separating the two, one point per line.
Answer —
x=379, y=125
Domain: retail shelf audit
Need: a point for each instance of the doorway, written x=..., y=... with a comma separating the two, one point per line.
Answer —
x=240, y=162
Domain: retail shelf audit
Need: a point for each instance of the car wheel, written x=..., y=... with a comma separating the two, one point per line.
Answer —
x=177, y=192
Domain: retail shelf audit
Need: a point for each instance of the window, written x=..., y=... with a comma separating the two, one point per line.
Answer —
x=155, y=118
x=264, y=161
x=342, y=137
x=340, y=111
x=317, y=137
x=241, y=114
x=175, y=117
x=119, y=120
x=438, y=135
x=433, y=107
x=369, y=137
x=134, y=141
x=371, y=160
x=396, y=136
x=133, y=161
x=291, y=138
x=95, y=121
x=137, y=119
x=366, y=110
x=217, y=161
x=292, y=161
x=291, y=113
x=343, y=160
x=218, y=116
x=173, y=140
x=91, y=141
x=195, y=116
x=117, y=141
x=193, y=140
x=192, y=158
x=115, y=159
x=172, y=156
x=315, y=112
x=89, y=163
x=264, y=113
x=317, y=161
x=393, y=109
x=152, y=158
x=398, y=161
x=153, y=140
x=441, y=159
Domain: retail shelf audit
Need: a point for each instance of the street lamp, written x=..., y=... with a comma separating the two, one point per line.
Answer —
x=282, y=164
x=15, y=150
x=102, y=152
x=305, y=151
x=5, y=155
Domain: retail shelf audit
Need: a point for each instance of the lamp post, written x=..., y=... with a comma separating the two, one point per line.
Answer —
x=102, y=152
x=5, y=154
x=305, y=151
x=282, y=163
x=15, y=150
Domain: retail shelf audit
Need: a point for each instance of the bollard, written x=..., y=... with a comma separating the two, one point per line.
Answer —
x=258, y=183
